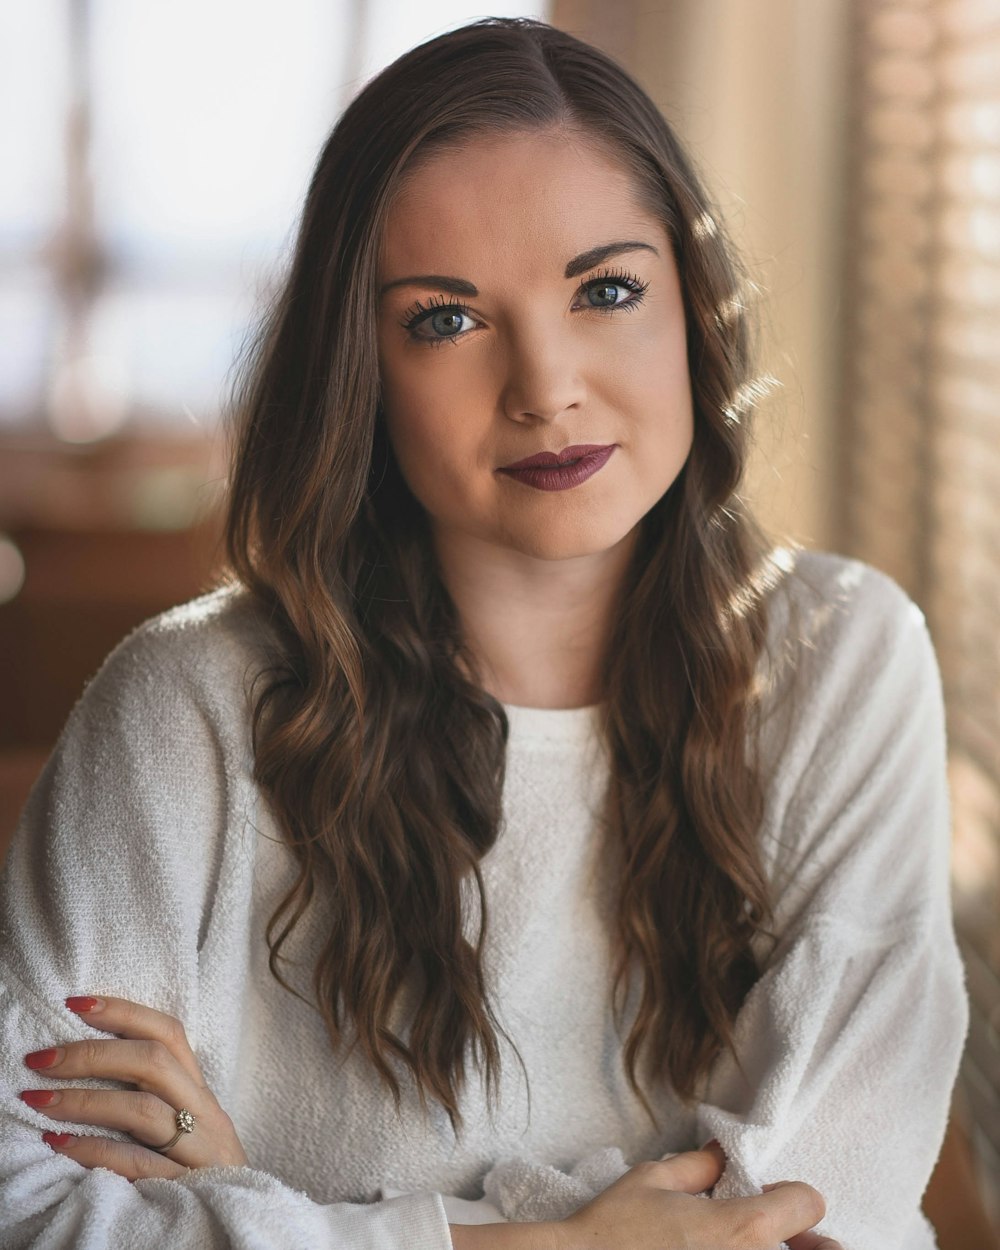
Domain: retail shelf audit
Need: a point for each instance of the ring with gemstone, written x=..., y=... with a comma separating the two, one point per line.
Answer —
x=185, y=1122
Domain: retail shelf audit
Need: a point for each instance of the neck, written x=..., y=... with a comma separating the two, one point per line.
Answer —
x=538, y=628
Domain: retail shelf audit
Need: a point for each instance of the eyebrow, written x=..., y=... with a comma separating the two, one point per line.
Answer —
x=579, y=264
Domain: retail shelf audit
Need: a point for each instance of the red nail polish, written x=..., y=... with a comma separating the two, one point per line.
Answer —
x=714, y=1141
x=42, y=1058
x=83, y=1002
x=39, y=1097
x=57, y=1140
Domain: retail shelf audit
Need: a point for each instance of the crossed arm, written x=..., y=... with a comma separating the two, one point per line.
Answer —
x=651, y=1205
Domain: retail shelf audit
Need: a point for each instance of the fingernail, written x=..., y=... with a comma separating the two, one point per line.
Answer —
x=40, y=1097
x=57, y=1140
x=84, y=1002
x=45, y=1058
x=712, y=1141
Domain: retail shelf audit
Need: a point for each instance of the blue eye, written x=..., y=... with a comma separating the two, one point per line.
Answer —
x=445, y=316
x=449, y=320
x=441, y=315
x=604, y=291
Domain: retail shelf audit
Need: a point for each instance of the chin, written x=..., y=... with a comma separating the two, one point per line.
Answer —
x=567, y=543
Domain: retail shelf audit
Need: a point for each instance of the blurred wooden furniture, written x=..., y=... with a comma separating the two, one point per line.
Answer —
x=952, y=1202
x=109, y=535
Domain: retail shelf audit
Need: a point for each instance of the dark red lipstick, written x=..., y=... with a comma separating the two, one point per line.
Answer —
x=549, y=470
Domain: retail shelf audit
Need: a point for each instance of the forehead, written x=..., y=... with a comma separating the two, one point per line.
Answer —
x=535, y=199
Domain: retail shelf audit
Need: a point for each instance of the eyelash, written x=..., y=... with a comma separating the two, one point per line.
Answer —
x=419, y=312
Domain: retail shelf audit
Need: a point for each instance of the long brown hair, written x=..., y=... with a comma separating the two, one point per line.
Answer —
x=382, y=763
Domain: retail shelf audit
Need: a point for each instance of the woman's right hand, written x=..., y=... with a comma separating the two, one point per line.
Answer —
x=653, y=1206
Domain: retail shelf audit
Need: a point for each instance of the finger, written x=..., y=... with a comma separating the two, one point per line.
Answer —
x=132, y=1162
x=144, y=1116
x=149, y=1065
x=813, y=1241
x=783, y=1211
x=808, y=1240
x=140, y=1023
x=693, y=1171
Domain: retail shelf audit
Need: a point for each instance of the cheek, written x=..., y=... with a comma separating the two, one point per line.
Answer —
x=431, y=434
x=410, y=413
x=664, y=411
x=653, y=381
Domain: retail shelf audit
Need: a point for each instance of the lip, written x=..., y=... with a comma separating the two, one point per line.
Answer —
x=558, y=476
x=552, y=459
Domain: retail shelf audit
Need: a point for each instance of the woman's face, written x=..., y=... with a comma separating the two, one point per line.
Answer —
x=529, y=344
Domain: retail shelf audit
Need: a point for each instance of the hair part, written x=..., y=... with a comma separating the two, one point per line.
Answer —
x=383, y=764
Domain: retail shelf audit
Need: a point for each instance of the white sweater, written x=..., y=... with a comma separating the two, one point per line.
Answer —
x=146, y=865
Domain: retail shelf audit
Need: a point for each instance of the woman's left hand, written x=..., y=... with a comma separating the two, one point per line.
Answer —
x=152, y=1053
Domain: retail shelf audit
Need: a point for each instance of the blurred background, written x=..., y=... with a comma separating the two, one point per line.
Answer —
x=153, y=162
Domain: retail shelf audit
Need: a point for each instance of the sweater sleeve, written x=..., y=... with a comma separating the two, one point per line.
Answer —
x=109, y=883
x=851, y=1040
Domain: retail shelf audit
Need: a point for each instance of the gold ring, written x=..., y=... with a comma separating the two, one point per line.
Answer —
x=185, y=1122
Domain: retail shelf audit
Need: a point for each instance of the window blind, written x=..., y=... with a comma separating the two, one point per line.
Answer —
x=920, y=466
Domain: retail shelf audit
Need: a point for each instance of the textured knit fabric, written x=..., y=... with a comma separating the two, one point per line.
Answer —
x=146, y=864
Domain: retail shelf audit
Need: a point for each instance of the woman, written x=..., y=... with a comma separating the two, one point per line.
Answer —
x=572, y=824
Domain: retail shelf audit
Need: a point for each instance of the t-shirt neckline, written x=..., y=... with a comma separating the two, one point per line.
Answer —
x=571, y=725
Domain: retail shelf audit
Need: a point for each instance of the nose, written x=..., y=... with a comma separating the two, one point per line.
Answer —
x=543, y=375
